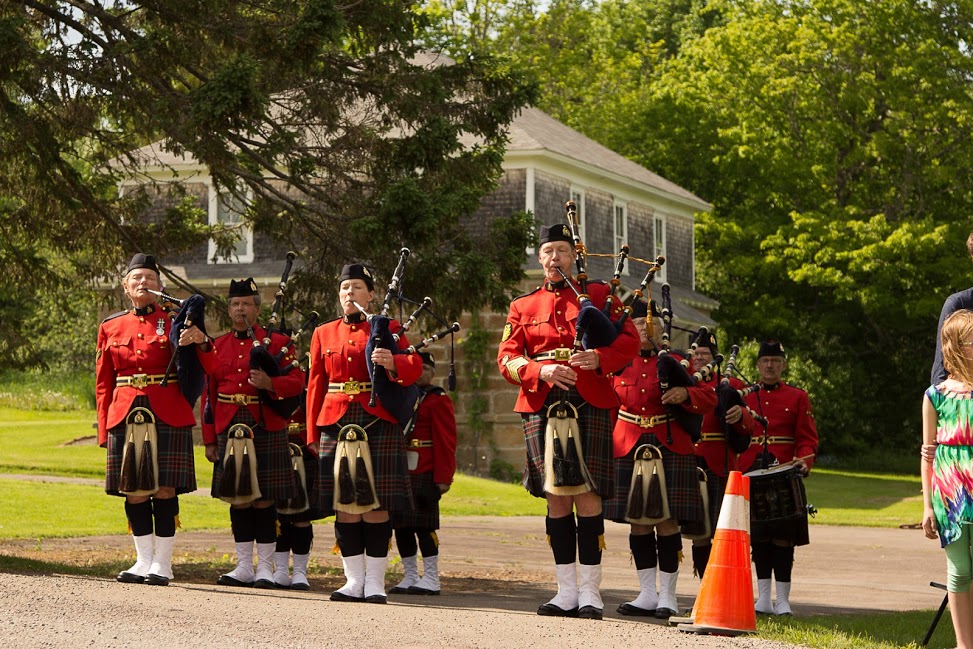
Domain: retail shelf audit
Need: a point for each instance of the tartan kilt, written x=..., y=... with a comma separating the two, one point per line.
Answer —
x=311, y=486
x=715, y=488
x=177, y=467
x=273, y=459
x=425, y=516
x=596, y=426
x=682, y=485
x=387, y=448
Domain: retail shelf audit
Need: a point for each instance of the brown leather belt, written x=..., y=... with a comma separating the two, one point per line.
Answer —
x=238, y=399
x=420, y=443
x=350, y=387
x=559, y=354
x=712, y=437
x=139, y=381
x=644, y=422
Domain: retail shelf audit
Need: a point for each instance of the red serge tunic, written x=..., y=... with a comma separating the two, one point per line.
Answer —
x=791, y=430
x=436, y=423
x=228, y=369
x=720, y=459
x=338, y=356
x=638, y=390
x=543, y=321
x=130, y=344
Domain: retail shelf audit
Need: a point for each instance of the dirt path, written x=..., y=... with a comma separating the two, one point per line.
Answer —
x=496, y=572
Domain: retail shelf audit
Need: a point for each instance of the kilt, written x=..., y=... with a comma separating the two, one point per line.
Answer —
x=682, y=485
x=176, y=464
x=425, y=516
x=596, y=426
x=387, y=448
x=273, y=459
x=715, y=488
x=310, y=483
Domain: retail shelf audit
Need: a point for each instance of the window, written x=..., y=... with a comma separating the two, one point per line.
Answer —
x=226, y=208
x=621, y=231
x=660, y=246
x=577, y=195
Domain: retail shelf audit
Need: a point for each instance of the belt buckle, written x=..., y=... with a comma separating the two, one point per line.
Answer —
x=293, y=427
x=240, y=399
x=352, y=387
x=646, y=422
x=139, y=381
x=562, y=354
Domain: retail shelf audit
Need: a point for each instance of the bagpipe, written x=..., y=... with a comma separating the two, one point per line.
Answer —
x=189, y=371
x=400, y=401
x=673, y=372
x=262, y=359
x=728, y=397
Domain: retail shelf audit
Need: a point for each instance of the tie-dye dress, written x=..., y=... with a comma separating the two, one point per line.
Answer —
x=952, y=478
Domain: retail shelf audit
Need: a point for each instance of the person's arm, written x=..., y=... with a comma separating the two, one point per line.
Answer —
x=929, y=425
x=317, y=387
x=806, y=433
x=444, y=442
x=104, y=384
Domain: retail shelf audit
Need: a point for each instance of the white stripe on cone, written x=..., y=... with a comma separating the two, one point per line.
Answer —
x=734, y=514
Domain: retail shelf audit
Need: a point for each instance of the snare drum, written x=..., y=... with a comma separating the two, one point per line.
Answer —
x=777, y=494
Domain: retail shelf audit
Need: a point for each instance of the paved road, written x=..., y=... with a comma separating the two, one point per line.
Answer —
x=497, y=570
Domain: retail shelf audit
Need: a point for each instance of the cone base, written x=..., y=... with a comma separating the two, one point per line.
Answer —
x=703, y=629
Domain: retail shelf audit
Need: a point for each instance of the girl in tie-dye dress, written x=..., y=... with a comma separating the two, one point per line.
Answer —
x=947, y=478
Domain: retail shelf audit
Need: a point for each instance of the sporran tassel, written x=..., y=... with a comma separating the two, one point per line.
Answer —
x=146, y=471
x=572, y=464
x=654, y=508
x=346, y=486
x=558, y=463
x=363, y=487
x=246, y=482
x=128, y=480
x=228, y=479
x=636, y=503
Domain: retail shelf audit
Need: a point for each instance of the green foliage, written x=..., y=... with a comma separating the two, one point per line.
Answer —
x=857, y=631
x=343, y=136
x=51, y=391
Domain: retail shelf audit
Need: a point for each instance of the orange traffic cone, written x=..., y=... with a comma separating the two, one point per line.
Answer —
x=724, y=605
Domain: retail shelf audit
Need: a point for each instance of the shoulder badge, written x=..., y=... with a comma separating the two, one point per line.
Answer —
x=508, y=330
x=114, y=315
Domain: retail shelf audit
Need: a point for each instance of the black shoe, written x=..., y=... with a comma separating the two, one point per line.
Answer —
x=395, y=590
x=664, y=613
x=552, y=610
x=227, y=580
x=415, y=590
x=129, y=578
x=300, y=586
x=635, y=611
x=264, y=583
x=590, y=613
x=376, y=599
x=337, y=596
x=157, y=580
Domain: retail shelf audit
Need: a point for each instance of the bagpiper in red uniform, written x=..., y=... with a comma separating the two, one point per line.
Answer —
x=133, y=355
x=338, y=393
x=645, y=418
x=536, y=354
x=713, y=453
x=233, y=398
x=432, y=464
x=791, y=437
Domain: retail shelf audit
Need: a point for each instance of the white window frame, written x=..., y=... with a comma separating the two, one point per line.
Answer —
x=246, y=233
x=620, y=238
x=659, y=244
x=577, y=195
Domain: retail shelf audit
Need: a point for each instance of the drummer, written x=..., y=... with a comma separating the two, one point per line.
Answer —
x=791, y=436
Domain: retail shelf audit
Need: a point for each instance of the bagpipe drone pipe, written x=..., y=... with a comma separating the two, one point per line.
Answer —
x=399, y=400
x=261, y=357
x=728, y=397
x=674, y=372
x=189, y=371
